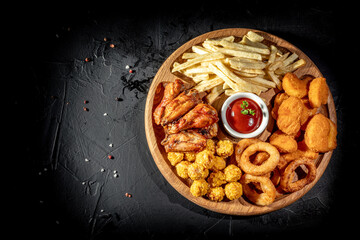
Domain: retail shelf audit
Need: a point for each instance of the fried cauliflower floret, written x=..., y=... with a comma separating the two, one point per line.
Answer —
x=224, y=148
x=219, y=163
x=233, y=190
x=216, y=194
x=232, y=173
x=199, y=188
x=205, y=158
x=211, y=145
x=197, y=171
x=182, y=169
x=175, y=157
x=216, y=179
x=190, y=156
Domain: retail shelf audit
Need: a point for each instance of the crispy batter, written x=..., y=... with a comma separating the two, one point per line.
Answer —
x=320, y=134
x=280, y=97
x=216, y=194
x=306, y=113
x=318, y=92
x=293, y=86
x=283, y=142
x=233, y=190
x=289, y=113
x=199, y=188
x=268, y=189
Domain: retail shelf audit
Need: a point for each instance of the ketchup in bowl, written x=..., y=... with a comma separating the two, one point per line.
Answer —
x=244, y=115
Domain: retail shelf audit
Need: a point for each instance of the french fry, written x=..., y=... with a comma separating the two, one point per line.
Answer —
x=201, y=58
x=222, y=65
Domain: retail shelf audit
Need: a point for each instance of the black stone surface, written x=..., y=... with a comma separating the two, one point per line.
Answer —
x=56, y=193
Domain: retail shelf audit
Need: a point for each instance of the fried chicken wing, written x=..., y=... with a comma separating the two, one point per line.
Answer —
x=184, y=141
x=181, y=105
x=201, y=116
x=171, y=91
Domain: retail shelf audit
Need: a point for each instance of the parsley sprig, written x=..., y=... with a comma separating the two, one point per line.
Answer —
x=245, y=111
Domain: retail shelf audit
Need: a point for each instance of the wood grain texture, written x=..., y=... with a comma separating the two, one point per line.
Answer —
x=154, y=133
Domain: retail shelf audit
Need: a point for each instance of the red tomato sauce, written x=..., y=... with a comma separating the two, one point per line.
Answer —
x=240, y=122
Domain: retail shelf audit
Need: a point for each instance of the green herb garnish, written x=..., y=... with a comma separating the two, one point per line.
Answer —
x=245, y=111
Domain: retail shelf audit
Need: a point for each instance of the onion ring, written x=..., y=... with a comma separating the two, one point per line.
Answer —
x=288, y=174
x=267, y=166
x=242, y=145
x=267, y=187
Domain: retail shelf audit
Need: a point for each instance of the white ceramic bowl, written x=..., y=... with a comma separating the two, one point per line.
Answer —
x=255, y=98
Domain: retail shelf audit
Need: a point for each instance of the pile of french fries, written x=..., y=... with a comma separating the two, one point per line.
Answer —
x=223, y=65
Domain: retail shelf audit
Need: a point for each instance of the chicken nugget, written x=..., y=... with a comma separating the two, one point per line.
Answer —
x=293, y=86
x=288, y=120
x=306, y=113
x=320, y=134
x=280, y=97
x=283, y=142
x=318, y=92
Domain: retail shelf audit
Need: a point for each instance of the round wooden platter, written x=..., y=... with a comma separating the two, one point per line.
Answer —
x=155, y=134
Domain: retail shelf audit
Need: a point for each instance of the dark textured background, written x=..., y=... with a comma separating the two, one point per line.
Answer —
x=60, y=195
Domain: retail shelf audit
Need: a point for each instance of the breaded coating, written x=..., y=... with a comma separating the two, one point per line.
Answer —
x=283, y=142
x=190, y=156
x=280, y=97
x=293, y=86
x=232, y=173
x=197, y=171
x=205, y=158
x=224, y=148
x=182, y=169
x=216, y=179
x=233, y=190
x=216, y=194
x=318, y=92
x=199, y=188
x=289, y=113
x=210, y=145
x=320, y=134
x=175, y=157
x=219, y=164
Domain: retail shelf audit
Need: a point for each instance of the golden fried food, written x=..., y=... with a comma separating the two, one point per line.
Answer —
x=267, y=166
x=219, y=164
x=233, y=190
x=283, y=142
x=211, y=145
x=268, y=194
x=318, y=92
x=242, y=145
x=216, y=194
x=175, y=157
x=199, y=188
x=197, y=171
x=293, y=86
x=190, y=156
x=182, y=169
x=306, y=113
x=320, y=134
x=279, y=98
x=216, y=179
x=205, y=158
x=232, y=173
x=224, y=148
x=260, y=158
x=288, y=120
x=287, y=176
x=184, y=141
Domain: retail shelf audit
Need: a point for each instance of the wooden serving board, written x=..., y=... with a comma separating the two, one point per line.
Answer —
x=155, y=134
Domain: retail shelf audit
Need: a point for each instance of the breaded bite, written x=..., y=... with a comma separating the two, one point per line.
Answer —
x=232, y=173
x=199, y=188
x=233, y=190
x=318, y=92
x=216, y=194
x=283, y=142
x=224, y=148
x=320, y=134
x=182, y=169
x=280, y=97
x=197, y=171
x=289, y=113
x=293, y=86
